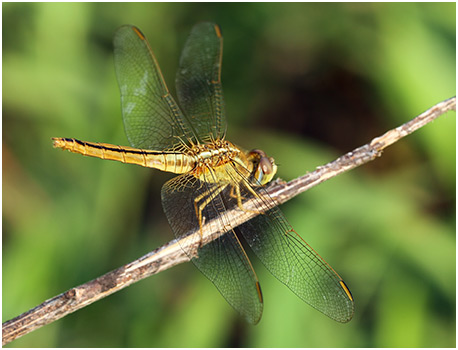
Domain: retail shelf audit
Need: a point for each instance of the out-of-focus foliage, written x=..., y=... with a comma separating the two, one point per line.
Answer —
x=304, y=82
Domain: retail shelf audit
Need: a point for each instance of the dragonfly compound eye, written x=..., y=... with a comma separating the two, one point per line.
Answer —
x=269, y=169
x=265, y=165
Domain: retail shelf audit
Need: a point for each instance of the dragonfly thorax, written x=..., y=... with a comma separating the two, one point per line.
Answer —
x=214, y=154
x=226, y=162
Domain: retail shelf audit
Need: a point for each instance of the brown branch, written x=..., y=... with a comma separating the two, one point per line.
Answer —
x=172, y=254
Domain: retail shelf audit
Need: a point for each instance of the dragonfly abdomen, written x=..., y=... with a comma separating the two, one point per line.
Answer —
x=177, y=163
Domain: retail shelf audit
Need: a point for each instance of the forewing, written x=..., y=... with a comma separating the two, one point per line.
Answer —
x=223, y=261
x=289, y=258
x=152, y=119
x=199, y=82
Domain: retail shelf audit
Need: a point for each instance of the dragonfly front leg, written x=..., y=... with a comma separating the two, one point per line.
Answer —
x=200, y=207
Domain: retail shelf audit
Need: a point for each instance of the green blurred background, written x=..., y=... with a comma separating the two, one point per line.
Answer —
x=304, y=82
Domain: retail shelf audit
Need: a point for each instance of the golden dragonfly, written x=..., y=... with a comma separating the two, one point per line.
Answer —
x=215, y=176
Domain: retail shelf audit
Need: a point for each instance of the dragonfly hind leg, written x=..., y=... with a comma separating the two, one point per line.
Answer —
x=200, y=207
x=239, y=197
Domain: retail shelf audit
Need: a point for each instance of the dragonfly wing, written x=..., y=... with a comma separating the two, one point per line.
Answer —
x=291, y=260
x=198, y=82
x=223, y=261
x=152, y=119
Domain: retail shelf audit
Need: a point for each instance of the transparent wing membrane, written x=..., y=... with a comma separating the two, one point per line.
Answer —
x=289, y=258
x=198, y=82
x=152, y=119
x=223, y=261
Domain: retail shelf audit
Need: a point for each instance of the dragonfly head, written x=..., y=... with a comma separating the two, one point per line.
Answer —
x=264, y=168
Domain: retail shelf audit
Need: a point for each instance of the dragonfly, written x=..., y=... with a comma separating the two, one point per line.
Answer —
x=215, y=177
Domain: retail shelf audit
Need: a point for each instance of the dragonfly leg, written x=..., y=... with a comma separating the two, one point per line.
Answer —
x=200, y=207
x=233, y=194
x=240, y=198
